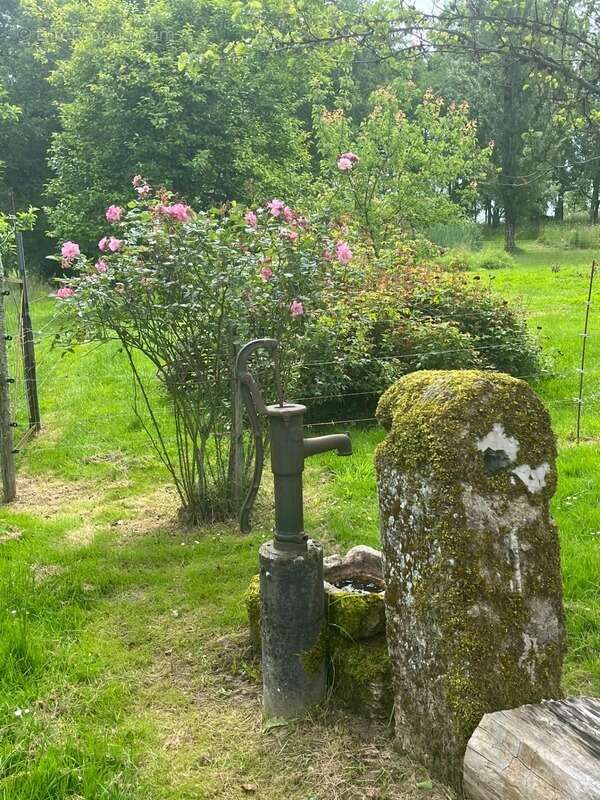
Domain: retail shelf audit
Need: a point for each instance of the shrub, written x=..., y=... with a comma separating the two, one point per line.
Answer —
x=498, y=331
x=388, y=172
x=465, y=235
x=457, y=260
x=492, y=259
x=461, y=260
x=415, y=318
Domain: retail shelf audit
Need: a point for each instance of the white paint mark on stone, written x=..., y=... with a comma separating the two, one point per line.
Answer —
x=497, y=439
x=516, y=585
x=534, y=478
x=528, y=658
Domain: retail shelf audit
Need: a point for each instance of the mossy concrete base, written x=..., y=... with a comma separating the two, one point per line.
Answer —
x=474, y=609
x=359, y=663
x=356, y=616
x=293, y=629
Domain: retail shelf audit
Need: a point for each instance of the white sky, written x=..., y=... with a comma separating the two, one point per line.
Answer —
x=425, y=5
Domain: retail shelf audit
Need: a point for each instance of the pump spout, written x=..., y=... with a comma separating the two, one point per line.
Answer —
x=322, y=444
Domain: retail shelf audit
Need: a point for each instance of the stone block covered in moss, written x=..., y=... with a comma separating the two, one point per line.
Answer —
x=253, y=608
x=361, y=674
x=473, y=587
x=357, y=616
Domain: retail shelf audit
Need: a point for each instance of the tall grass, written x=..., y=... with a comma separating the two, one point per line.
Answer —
x=467, y=235
x=569, y=236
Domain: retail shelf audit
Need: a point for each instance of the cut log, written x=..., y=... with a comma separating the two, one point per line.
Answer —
x=549, y=751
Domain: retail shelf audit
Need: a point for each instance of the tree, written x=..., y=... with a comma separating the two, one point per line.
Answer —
x=26, y=128
x=412, y=160
x=144, y=89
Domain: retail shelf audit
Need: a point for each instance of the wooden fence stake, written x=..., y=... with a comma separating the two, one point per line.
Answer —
x=30, y=370
x=9, y=486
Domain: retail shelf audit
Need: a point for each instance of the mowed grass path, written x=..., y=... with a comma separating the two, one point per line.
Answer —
x=123, y=665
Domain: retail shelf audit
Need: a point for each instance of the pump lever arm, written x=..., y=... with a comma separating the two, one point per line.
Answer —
x=254, y=403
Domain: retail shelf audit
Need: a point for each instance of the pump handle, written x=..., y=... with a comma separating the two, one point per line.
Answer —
x=254, y=405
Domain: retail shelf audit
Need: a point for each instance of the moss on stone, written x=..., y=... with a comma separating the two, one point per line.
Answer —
x=358, y=616
x=361, y=674
x=464, y=634
x=314, y=659
x=253, y=608
x=428, y=415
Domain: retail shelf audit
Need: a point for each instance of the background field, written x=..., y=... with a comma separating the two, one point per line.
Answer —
x=123, y=665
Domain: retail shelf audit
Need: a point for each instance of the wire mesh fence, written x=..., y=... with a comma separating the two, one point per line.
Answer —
x=558, y=387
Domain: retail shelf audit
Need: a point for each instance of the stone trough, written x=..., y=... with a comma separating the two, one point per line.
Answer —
x=359, y=665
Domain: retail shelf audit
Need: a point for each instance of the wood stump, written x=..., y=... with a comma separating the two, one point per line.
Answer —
x=537, y=752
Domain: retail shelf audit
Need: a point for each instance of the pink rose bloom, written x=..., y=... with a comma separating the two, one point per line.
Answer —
x=137, y=181
x=327, y=255
x=70, y=250
x=251, y=219
x=347, y=160
x=177, y=211
x=64, y=292
x=114, y=213
x=275, y=206
x=114, y=244
x=297, y=309
x=266, y=274
x=143, y=191
x=103, y=243
x=343, y=253
x=288, y=214
x=101, y=265
x=289, y=234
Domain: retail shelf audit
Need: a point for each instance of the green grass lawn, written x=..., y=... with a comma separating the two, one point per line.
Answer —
x=123, y=666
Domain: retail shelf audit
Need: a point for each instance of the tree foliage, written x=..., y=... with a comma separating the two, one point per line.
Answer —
x=413, y=159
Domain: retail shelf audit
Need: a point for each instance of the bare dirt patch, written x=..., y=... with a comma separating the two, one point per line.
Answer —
x=149, y=512
x=49, y=497
x=42, y=572
x=82, y=536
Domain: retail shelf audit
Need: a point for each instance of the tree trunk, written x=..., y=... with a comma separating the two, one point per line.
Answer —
x=509, y=232
x=559, y=209
x=488, y=213
x=595, y=204
x=512, y=191
x=496, y=217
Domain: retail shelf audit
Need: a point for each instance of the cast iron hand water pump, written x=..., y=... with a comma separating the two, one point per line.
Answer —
x=291, y=565
x=289, y=448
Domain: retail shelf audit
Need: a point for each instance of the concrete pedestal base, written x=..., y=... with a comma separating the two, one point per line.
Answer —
x=292, y=629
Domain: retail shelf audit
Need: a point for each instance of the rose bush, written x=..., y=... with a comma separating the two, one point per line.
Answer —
x=183, y=288
x=414, y=158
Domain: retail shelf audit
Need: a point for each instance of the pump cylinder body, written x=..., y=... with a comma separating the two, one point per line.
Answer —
x=287, y=464
x=292, y=628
